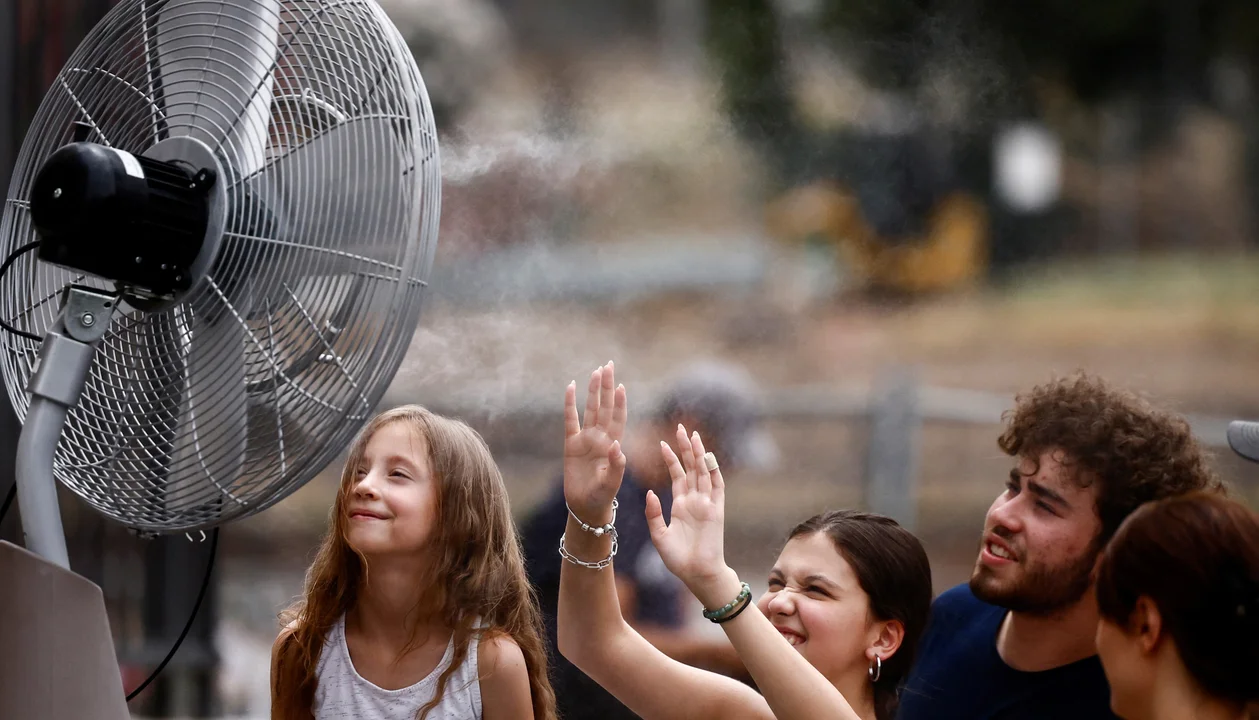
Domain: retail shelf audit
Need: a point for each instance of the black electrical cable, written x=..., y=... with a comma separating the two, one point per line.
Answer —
x=205, y=584
x=8, y=500
x=4, y=269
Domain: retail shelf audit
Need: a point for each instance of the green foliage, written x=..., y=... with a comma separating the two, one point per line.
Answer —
x=1100, y=49
x=745, y=44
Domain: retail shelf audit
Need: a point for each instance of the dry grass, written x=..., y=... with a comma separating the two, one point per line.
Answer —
x=1142, y=304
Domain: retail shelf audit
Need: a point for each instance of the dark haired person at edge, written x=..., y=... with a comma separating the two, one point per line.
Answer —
x=718, y=399
x=1178, y=590
x=1018, y=641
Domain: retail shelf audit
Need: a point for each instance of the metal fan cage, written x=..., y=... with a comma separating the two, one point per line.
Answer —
x=332, y=204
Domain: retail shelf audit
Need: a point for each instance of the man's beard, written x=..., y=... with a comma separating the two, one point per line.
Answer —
x=1042, y=590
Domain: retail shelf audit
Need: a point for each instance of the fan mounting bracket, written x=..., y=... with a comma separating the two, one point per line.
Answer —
x=87, y=311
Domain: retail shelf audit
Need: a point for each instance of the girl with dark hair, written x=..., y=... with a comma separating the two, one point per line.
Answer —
x=834, y=635
x=1178, y=591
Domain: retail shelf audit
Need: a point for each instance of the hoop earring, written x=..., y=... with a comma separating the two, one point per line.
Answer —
x=876, y=669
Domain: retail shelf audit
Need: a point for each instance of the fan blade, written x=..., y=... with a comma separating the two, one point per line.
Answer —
x=214, y=64
x=342, y=189
x=214, y=409
x=327, y=206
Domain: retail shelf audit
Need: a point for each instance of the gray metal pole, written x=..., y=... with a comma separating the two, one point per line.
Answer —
x=64, y=360
x=892, y=463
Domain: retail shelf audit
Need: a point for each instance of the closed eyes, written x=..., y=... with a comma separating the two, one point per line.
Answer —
x=777, y=584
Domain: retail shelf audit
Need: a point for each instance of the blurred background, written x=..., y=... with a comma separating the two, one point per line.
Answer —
x=893, y=214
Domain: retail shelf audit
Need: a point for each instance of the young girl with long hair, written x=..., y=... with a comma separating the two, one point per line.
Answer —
x=832, y=637
x=417, y=604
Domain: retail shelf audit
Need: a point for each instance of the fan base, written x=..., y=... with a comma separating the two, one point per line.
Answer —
x=58, y=659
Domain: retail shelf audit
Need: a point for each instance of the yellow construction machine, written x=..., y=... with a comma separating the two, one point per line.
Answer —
x=949, y=250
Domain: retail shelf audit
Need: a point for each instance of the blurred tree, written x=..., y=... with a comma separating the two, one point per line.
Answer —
x=1159, y=52
x=982, y=63
x=886, y=36
x=745, y=44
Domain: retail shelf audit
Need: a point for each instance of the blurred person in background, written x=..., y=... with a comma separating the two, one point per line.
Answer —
x=718, y=400
x=1178, y=590
x=1018, y=641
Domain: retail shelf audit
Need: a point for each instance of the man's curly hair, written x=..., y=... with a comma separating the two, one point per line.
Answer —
x=1135, y=451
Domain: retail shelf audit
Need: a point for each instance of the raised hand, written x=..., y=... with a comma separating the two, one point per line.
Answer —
x=691, y=545
x=593, y=461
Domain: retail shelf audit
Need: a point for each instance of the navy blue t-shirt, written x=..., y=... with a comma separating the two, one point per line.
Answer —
x=658, y=598
x=960, y=676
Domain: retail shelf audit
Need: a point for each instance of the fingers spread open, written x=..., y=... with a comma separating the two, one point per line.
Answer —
x=620, y=414
x=676, y=472
x=592, y=398
x=719, y=483
x=703, y=478
x=687, y=453
x=571, y=425
x=616, y=462
x=655, y=519
x=607, y=393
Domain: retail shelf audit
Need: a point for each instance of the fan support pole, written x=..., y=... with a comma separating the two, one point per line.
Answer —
x=55, y=386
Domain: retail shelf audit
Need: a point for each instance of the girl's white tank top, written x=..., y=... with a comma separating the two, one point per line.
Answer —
x=342, y=694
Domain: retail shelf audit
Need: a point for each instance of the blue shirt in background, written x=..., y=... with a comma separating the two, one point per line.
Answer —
x=959, y=675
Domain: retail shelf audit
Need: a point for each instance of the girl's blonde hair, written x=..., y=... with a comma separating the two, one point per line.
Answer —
x=475, y=553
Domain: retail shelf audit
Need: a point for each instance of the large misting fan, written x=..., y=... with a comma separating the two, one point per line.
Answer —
x=232, y=207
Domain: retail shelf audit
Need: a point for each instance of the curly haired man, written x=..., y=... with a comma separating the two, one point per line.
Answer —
x=1017, y=641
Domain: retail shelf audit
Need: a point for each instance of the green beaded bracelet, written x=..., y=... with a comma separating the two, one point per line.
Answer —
x=742, y=606
x=717, y=615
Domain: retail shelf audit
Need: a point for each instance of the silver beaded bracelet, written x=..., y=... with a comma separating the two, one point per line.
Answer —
x=564, y=553
x=597, y=530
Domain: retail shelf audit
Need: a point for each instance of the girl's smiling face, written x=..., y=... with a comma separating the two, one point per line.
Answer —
x=392, y=503
x=815, y=600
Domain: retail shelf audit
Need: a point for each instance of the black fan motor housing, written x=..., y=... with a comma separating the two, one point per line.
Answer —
x=137, y=221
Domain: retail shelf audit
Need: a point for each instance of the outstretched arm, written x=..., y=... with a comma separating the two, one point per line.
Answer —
x=593, y=634
x=692, y=548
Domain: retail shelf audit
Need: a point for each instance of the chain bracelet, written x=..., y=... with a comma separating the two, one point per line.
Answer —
x=564, y=553
x=597, y=531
